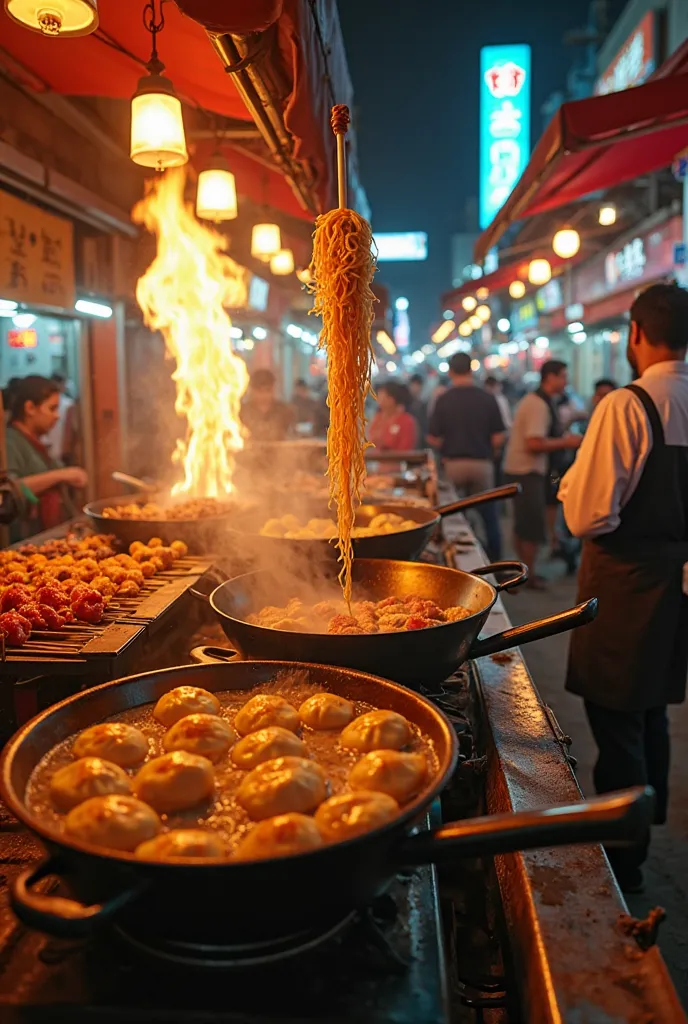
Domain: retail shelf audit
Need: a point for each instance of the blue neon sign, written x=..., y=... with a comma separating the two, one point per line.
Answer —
x=504, y=123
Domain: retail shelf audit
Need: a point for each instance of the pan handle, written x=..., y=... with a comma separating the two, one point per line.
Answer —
x=213, y=655
x=495, y=494
x=520, y=568
x=207, y=583
x=561, y=622
x=57, y=915
x=622, y=817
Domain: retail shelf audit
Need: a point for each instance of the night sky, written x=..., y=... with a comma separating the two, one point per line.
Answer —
x=415, y=69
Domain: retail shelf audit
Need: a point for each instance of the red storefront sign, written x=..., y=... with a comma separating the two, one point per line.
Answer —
x=637, y=262
x=635, y=61
x=22, y=339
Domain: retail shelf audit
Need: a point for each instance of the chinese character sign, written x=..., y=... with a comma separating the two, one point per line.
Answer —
x=634, y=62
x=36, y=255
x=504, y=123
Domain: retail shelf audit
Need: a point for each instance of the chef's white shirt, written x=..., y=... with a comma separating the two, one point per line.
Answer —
x=615, y=448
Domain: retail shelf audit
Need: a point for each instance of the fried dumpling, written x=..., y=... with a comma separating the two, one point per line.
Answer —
x=265, y=745
x=351, y=814
x=282, y=785
x=283, y=836
x=175, y=781
x=390, y=771
x=87, y=777
x=116, y=822
x=264, y=710
x=113, y=741
x=207, y=735
x=377, y=730
x=326, y=711
x=183, y=701
x=182, y=842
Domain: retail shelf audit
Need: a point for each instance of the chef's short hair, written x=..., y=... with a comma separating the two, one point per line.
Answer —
x=661, y=311
x=552, y=368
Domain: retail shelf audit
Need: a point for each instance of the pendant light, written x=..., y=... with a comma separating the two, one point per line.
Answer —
x=517, y=289
x=216, y=197
x=59, y=19
x=483, y=313
x=266, y=241
x=282, y=262
x=469, y=303
x=157, y=127
x=539, y=271
x=566, y=243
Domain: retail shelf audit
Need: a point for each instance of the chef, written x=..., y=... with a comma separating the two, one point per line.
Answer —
x=626, y=496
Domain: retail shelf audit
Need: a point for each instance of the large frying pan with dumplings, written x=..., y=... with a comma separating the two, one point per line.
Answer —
x=421, y=656
x=244, y=904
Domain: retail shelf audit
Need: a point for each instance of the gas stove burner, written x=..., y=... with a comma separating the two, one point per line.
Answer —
x=277, y=952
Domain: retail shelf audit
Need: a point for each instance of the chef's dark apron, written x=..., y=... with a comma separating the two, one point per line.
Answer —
x=634, y=656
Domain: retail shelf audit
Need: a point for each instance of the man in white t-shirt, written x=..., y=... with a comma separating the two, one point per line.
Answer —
x=535, y=434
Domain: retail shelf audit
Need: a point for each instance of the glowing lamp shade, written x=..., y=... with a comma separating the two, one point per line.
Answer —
x=57, y=18
x=483, y=313
x=469, y=303
x=465, y=329
x=517, y=289
x=566, y=243
x=539, y=271
x=282, y=262
x=482, y=293
x=606, y=215
x=157, y=127
x=266, y=241
x=216, y=197
x=475, y=322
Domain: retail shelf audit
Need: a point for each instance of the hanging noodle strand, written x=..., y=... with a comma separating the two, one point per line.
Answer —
x=343, y=268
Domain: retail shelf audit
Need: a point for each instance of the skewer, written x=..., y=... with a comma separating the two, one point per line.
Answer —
x=340, y=120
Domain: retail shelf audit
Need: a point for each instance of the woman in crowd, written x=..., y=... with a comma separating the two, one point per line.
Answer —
x=33, y=407
x=393, y=428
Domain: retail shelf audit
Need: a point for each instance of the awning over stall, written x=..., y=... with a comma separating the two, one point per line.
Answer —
x=597, y=143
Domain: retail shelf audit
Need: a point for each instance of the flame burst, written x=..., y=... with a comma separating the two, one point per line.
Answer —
x=183, y=295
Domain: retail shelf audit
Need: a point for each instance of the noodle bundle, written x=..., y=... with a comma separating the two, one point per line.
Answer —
x=343, y=268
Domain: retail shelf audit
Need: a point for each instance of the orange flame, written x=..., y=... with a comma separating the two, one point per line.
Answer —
x=183, y=295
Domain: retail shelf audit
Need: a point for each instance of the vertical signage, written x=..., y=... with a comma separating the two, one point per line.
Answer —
x=504, y=123
x=36, y=255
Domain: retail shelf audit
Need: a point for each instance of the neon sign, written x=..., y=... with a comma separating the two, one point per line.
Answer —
x=504, y=123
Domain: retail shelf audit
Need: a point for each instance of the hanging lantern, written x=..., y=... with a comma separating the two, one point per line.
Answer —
x=216, y=197
x=606, y=215
x=483, y=313
x=475, y=322
x=465, y=329
x=157, y=127
x=469, y=303
x=517, y=289
x=266, y=241
x=282, y=262
x=539, y=271
x=482, y=293
x=60, y=19
x=566, y=243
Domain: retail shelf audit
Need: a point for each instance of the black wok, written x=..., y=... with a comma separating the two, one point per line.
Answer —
x=232, y=903
x=419, y=656
x=202, y=535
x=405, y=545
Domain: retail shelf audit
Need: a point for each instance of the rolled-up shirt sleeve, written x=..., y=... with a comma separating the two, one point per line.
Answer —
x=608, y=466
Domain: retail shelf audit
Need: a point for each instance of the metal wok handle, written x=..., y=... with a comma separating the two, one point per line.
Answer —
x=57, y=915
x=538, y=630
x=213, y=655
x=496, y=494
x=207, y=583
x=520, y=568
x=622, y=817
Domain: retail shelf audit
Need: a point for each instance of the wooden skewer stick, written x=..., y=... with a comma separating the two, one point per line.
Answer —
x=340, y=121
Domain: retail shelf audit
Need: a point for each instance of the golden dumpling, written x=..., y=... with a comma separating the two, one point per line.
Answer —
x=87, y=777
x=266, y=744
x=390, y=771
x=113, y=741
x=182, y=842
x=351, y=814
x=283, y=836
x=183, y=701
x=326, y=711
x=282, y=785
x=117, y=822
x=377, y=730
x=175, y=781
x=207, y=735
x=264, y=710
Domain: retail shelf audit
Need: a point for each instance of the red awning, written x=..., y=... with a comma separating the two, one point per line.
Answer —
x=594, y=144
x=501, y=278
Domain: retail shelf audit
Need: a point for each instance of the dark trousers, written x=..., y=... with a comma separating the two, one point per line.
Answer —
x=633, y=750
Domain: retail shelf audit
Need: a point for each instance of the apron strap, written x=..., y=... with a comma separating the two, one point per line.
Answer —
x=653, y=416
